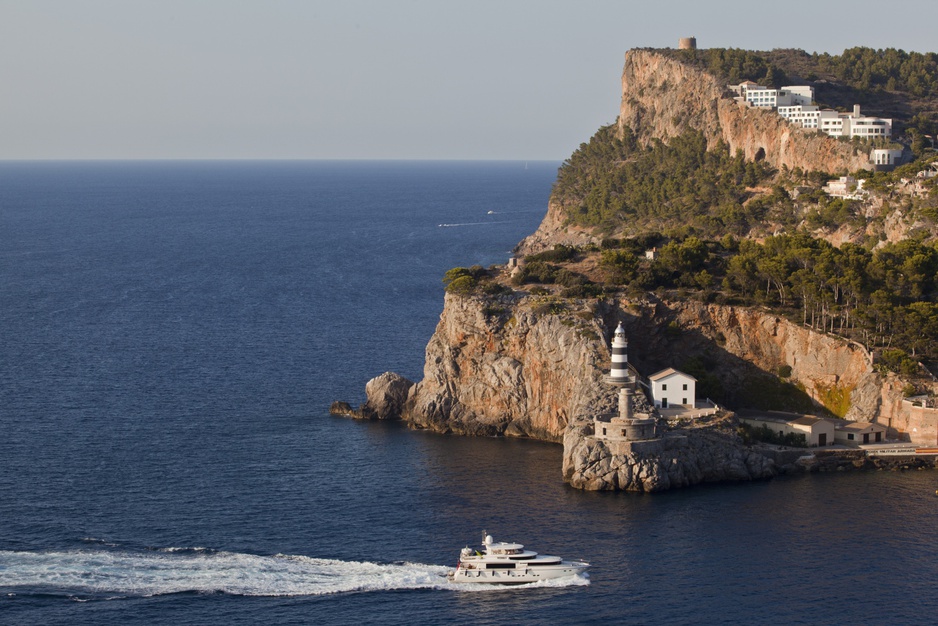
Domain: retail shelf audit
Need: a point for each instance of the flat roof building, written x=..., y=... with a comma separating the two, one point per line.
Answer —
x=858, y=433
x=818, y=432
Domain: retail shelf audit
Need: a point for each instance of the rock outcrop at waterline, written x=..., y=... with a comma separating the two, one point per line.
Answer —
x=680, y=459
x=531, y=366
x=386, y=397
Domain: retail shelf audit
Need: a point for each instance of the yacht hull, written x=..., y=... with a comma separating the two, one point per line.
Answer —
x=519, y=576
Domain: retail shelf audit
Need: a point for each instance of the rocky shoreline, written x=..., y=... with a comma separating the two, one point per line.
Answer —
x=709, y=452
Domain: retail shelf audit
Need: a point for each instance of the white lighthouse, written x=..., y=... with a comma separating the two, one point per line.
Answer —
x=619, y=373
x=627, y=425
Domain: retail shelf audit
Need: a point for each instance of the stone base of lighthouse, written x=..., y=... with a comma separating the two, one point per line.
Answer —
x=627, y=425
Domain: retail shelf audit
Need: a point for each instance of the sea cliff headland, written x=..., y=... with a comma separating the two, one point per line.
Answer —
x=698, y=223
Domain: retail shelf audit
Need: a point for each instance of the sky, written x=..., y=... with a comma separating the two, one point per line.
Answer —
x=369, y=79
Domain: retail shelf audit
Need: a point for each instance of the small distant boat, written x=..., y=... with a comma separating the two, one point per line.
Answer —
x=491, y=213
x=505, y=563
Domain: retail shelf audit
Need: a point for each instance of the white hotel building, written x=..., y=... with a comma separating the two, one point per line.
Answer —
x=765, y=98
x=794, y=103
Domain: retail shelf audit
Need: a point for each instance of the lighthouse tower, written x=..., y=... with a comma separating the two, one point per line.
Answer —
x=619, y=373
x=627, y=425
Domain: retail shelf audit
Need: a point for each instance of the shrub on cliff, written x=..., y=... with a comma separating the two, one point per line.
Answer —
x=898, y=361
x=465, y=280
x=536, y=272
x=560, y=254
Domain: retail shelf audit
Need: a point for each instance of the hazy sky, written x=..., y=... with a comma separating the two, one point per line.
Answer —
x=406, y=79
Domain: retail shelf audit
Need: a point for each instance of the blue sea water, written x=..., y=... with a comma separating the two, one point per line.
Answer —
x=171, y=337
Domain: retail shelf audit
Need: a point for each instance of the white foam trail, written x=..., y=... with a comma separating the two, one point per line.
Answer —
x=176, y=570
x=123, y=573
x=474, y=224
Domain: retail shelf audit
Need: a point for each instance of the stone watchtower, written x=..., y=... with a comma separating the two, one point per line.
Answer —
x=687, y=43
x=626, y=425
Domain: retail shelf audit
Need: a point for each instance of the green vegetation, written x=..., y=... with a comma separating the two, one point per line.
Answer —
x=610, y=182
x=559, y=254
x=749, y=434
x=886, y=299
x=467, y=281
x=704, y=203
x=734, y=65
x=835, y=398
x=861, y=68
x=889, y=82
x=889, y=69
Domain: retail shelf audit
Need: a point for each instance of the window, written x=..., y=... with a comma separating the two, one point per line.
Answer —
x=850, y=436
x=664, y=387
x=685, y=387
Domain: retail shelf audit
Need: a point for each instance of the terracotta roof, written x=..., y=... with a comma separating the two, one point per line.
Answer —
x=669, y=372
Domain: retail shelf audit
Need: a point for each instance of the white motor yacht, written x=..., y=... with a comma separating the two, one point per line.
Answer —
x=509, y=563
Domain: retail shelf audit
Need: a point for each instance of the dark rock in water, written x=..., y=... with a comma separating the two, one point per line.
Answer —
x=344, y=409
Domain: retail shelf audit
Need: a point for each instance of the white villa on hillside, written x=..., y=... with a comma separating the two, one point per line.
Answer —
x=846, y=187
x=670, y=387
x=885, y=156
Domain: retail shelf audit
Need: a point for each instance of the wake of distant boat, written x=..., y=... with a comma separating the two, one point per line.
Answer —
x=469, y=224
x=119, y=573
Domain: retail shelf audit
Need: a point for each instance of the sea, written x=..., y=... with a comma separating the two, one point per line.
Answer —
x=171, y=337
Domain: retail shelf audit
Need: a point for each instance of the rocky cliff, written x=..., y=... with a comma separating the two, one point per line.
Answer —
x=531, y=366
x=509, y=365
x=523, y=365
x=662, y=97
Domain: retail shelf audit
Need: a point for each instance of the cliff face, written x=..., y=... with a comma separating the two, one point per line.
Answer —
x=662, y=97
x=554, y=230
x=741, y=342
x=517, y=366
x=498, y=366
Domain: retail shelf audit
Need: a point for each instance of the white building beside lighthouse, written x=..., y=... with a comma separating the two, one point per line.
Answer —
x=670, y=388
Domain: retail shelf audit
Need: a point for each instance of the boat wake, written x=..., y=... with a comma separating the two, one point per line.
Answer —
x=470, y=224
x=106, y=573
x=119, y=573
